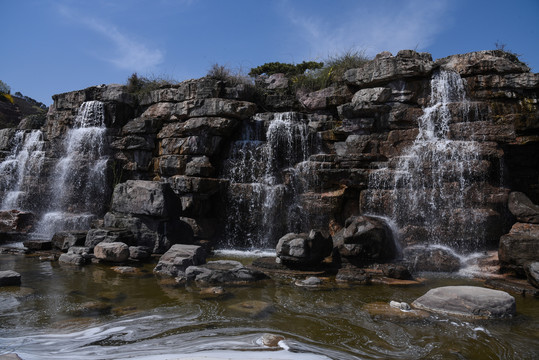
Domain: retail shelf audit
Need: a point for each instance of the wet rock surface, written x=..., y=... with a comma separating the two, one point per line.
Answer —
x=364, y=240
x=433, y=259
x=519, y=246
x=223, y=272
x=467, y=301
x=178, y=258
x=304, y=249
x=114, y=251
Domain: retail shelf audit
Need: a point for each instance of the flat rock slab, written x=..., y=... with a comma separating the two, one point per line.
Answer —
x=253, y=308
x=35, y=244
x=9, y=278
x=467, y=301
x=223, y=272
x=382, y=310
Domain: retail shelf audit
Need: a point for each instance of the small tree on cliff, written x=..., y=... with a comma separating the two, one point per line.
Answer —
x=5, y=92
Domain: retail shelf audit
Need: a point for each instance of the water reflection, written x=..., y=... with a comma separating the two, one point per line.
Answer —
x=95, y=313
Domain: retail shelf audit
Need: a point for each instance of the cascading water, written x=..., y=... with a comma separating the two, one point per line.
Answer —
x=431, y=191
x=262, y=200
x=79, y=185
x=21, y=169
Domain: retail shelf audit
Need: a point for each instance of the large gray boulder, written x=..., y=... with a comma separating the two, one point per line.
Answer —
x=223, y=272
x=144, y=198
x=365, y=239
x=522, y=208
x=304, y=249
x=431, y=258
x=108, y=235
x=72, y=259
x=113, y=251
x=483, y=62
x=178, y=258
x=385, y=68
x=532, y=273
x=156, y=233
x=467, y=301
x=9, y=278
x=519, y=246
x=65, y=239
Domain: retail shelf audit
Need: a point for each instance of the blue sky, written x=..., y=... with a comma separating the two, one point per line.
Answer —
x=49, y=47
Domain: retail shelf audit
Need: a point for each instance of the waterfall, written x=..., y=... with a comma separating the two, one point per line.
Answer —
x=20, y=169
x=263, y=196
x=78, y=185
x=430, y=191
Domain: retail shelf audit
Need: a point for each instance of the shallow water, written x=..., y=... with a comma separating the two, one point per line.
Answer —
x=48, y=318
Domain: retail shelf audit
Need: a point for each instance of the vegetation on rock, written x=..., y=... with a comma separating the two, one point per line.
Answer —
x=141, y=84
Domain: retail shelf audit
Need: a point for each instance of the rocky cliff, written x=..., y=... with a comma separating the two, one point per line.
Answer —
x=209, y=160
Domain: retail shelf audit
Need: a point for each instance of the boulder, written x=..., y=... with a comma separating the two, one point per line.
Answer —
x=178, y=258
x=216, y=126
x=396, y=271
x=11, y=356
x=108, y=235
x=139, y=252
x=532, y=273
x=216, y=107
x=371, y=95
x=223, y=272
x=304, y=249
x=522, y=208
x=519, y=246
x=328, y=97
x=158, y=234
x=113, y=251
x=385, y=68
x=16, y=221
x=72, y=259
x=37, y=244
x=65, y=239
x=10, y=278
x=353, y=275
x=431, y=258
x=365, y=239
x=276, y=81
x=483, y=62
x=144, y=198
x=467, y=301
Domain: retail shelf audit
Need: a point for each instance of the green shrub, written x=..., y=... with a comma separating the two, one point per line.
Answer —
x=224, y=73
x=284, y=68
x=331, y=73
x=140, y=84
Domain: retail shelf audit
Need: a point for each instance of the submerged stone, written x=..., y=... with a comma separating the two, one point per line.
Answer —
x=253, y=308
x=9, y=278
x=467, y=301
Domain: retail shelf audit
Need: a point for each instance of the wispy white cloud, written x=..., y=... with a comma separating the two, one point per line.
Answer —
x=126, y=52
x=372, y=26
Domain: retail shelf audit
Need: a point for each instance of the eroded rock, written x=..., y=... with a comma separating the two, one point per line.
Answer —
x=223, y=272
x=304, y=249
x=113, y=251
x=467, y=301
x=178, y=258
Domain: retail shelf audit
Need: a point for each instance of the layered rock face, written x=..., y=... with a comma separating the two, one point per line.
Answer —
x=435, y=146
